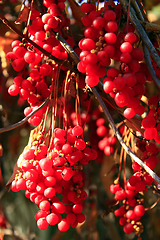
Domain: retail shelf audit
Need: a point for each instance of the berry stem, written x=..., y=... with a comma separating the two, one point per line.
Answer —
x=119, y=137
x=129, y=5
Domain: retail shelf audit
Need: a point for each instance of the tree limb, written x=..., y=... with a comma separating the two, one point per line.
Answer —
x=150, y=66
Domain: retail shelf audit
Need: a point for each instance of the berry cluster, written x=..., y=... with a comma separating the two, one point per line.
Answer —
x=36, y=86
x=107, y=142
x=98, y=44
x=104, y=42
x=35, y=91
x=151, y=122
x=132, y=210
x=44, y=173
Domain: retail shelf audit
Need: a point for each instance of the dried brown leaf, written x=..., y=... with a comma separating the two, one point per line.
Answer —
x=134, y=124
x=23, y=15
x=34, y=134
x=15, y=170
x=77, y=12
x=72, y=90
x=107, y=179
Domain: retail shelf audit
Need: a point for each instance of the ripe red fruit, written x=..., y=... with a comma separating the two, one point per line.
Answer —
x=77, y=131
x=80, y=217
x=128, y=228
x=140, y=186
x=126, y=47
x=130, y=214
x=44, y=205
x=121, y=98
x=71, y=218
x=98, y=23
x=130, y=37
x=120, y=195
x=148, y=122
x=52, y=219
x=129, y=113
x=45, y=163
x=63, y=226
x=87, y=44
x=77, y=208
x=119, y=83
x=29, y=57
x=111, y=26
x=86, y=7
x=42, y=223
x=150, y=133
x=13, y=90
x=92, y=81
x=108, y=85
x=139, y=210
x=18, y=64
x=109, y=15
x=110, y=38
x=58, y=207
x=120, y=211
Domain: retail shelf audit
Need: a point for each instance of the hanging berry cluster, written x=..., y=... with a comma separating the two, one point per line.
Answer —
x=45, y=173
x=107, y=143
x=151, y=122
x=33, y=86
x=130, y=195
x=104, y=42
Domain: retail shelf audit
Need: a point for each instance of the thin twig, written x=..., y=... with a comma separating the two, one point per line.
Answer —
x=137, y=9
x=149, y=27
x=150, y=66
x=119, y=137
x=135, y=21
x=21, y=122
x=143, y=10
x=144, y=21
